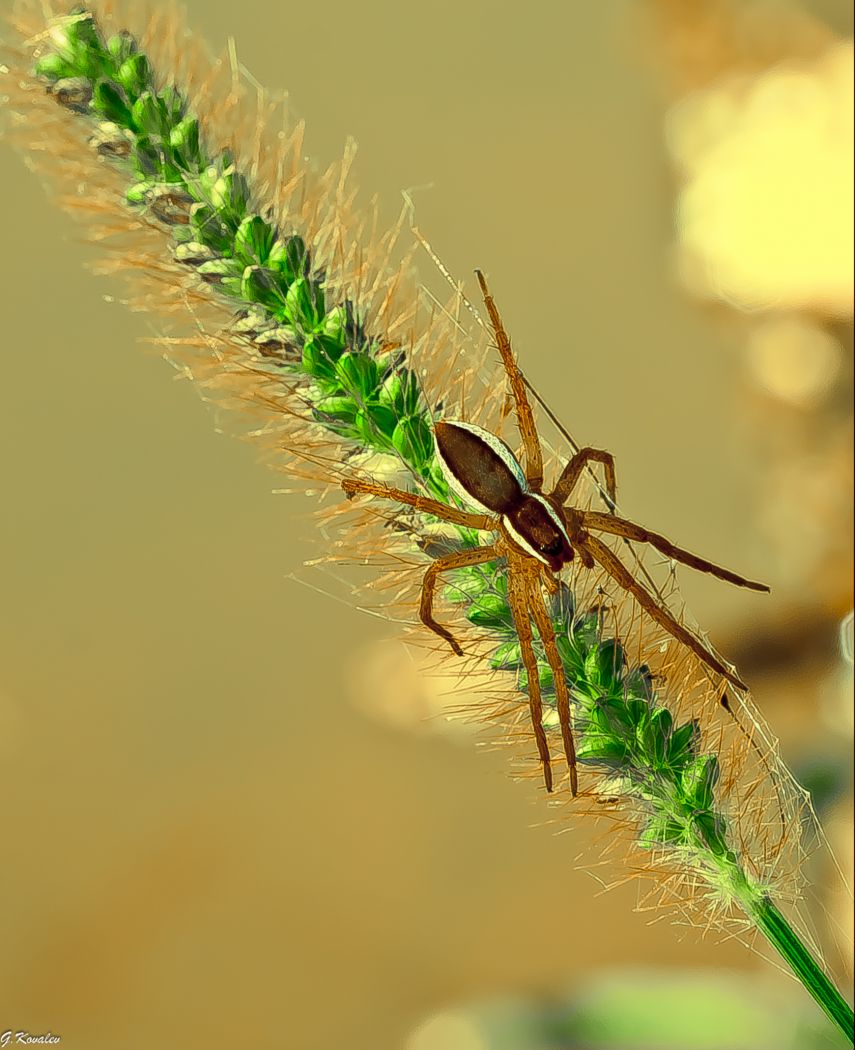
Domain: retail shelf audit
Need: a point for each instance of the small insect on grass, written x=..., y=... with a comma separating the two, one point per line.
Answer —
x=537, y=534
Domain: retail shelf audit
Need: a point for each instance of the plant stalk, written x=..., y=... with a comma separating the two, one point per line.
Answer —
x=784, y=939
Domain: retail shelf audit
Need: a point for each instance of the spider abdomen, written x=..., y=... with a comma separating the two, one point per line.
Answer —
x=479, y=467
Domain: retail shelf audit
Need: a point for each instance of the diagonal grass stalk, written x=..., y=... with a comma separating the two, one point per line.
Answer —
x=687, y=775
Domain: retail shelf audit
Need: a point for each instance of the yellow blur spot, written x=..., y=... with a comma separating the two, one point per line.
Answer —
x=447, y=1032
x=765, y=215
x=794, y=359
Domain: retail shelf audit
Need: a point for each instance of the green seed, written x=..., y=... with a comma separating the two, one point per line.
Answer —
x=193, y=253
x=149, y=116
x=280, y=340
x=120, y=47
x=290, y=256
x=111, y=140
x=254, y=239
x=75, y=93
x=54, y=67
x=217, y=270
x=261, y=285
x=184, y=142
x=109, y=100
x=698, y=781
x=134, y=75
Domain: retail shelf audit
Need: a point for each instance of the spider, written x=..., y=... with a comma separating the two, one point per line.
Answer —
x=537, y=533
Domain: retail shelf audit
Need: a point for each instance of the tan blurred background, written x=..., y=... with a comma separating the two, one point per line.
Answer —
x=210, y=838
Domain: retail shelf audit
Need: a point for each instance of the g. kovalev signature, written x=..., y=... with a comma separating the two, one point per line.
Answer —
x=22, y=1038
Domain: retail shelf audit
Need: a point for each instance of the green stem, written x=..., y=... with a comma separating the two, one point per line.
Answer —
x=787, y=943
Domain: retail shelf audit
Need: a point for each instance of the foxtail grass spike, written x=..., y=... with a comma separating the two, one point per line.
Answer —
x=286, y=303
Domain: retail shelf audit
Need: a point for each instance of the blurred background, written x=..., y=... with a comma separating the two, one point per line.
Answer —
x=219, y=828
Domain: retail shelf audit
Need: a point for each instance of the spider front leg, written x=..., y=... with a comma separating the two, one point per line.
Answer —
x=353, y=486
x=618, y=571
x=629, y=530
x=573, y=470
x=449, y=561
x=518, y=601
x=525, y=416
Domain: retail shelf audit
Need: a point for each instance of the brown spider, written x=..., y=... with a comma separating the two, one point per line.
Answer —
x=537, y=534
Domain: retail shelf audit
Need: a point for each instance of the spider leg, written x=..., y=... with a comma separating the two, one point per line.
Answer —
x=352, y=486
x=550, y=580
x=518, y=601
x=620, y=527
x=525, y=416
x=456, y=560
x=572, y=471
x=618, y=571
x=562, y=693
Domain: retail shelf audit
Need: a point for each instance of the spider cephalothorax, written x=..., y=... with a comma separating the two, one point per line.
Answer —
x=537, y=534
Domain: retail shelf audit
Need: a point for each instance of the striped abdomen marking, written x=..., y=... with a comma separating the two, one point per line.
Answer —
x=479, y=467
x=483, y=472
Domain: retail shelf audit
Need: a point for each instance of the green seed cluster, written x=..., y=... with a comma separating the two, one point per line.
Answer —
x=375, y=403
x=355, y=390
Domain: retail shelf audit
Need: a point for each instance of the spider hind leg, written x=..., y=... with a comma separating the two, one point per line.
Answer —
x=562, y=693
x=518, y=601
x=619, y=572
